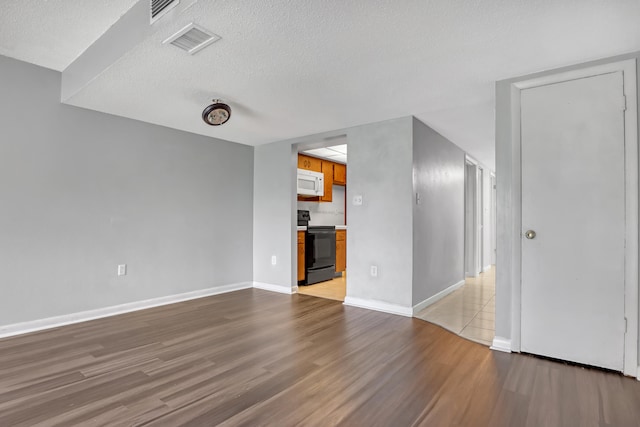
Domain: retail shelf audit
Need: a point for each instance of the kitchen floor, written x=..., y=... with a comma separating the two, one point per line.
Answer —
x=335, y=289
x=468, y=311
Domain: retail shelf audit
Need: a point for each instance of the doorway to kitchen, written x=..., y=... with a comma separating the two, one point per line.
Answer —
x=322, y=219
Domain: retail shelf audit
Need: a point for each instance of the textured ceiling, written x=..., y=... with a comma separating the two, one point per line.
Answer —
x=53, y=33
x=293, y=68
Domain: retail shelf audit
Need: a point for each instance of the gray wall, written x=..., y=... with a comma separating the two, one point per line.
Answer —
x=508, y=203
x=438, y=221
x=83, y=191
x=380, y=231
x=273, y=214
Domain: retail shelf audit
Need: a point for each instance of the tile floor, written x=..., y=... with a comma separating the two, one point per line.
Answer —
x=468, y=311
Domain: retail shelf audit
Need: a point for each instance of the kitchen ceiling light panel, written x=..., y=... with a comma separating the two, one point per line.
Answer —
x=192, y=38
x=342, y=149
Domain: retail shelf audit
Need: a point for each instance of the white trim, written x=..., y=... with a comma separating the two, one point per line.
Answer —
x=486, y=268
x=431, y=300
x=275, y=288
x=379, y=306
x=470, y=159
x=631, y=224
x=501, y=344
x=83, y=316
x=514, y=212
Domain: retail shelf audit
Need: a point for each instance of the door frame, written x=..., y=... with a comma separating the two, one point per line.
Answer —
x=472, y=261
x=513, y=208
x=493, y=218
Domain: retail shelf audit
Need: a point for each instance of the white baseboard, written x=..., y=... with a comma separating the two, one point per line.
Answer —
x=275, y=288
x=426, y=303
x=486, y=268
x=98, y=313
x=379, y=306
x=501, y=344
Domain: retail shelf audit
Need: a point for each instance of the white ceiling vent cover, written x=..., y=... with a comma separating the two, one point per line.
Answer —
x=192, y=38
x=160, y=7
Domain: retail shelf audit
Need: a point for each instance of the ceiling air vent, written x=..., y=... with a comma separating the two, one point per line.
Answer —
x=192, y=38
x=160, y=7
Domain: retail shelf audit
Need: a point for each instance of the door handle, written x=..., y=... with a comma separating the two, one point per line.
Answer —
x=530, y=234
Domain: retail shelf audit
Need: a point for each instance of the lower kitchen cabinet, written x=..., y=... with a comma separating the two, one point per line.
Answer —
x=341, y=250
x=301, y=255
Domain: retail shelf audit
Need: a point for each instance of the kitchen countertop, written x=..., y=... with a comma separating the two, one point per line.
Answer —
x=338, y=227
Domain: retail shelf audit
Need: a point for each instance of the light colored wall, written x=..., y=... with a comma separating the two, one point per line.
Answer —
x=327, y=213
x=381, y=230
x=508, y=203
x=438, y=221
x=274, y=212
x=470, y=209
x=82, y=192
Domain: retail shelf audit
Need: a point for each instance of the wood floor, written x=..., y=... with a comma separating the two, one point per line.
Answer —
x=333, y=289
x=252, y=358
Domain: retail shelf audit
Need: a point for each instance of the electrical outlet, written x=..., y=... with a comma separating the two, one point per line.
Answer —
x=374, y=271
x=273, y=260
x=122, y=270
x=357, y=200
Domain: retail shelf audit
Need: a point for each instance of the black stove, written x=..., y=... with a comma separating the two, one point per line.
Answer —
x=303, y=217
x=320, y=254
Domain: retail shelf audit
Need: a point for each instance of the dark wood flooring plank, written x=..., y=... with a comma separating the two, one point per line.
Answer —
x=252, y=357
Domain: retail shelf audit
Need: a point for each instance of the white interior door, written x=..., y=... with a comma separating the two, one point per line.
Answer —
x=573, y=198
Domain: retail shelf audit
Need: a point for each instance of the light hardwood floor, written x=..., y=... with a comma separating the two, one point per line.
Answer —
x=335, y=289
x=256, y=358
x=468, y=311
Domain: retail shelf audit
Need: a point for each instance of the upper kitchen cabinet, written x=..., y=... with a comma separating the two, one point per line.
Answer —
x=334, y=174
x=309, y=163
x=327, y=170
x=339, y=174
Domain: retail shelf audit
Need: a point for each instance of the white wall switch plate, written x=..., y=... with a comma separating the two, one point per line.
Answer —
x=122, y=270
x=357, y=200
x=374, y=271
x=273, y=260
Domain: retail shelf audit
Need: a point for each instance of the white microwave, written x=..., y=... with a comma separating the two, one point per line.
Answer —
x=310, y=183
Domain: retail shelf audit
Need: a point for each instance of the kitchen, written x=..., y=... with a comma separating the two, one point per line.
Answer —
x=321, y=269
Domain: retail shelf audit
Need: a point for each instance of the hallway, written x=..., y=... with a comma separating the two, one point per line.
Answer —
x=468, y=311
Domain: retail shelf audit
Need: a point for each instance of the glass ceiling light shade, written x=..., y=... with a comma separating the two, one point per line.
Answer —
x=217, y=113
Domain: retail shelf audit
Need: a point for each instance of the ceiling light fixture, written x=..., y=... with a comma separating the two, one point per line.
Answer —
x=217, y=113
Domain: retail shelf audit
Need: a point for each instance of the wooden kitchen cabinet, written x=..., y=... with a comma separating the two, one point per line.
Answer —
x=327, y=170
x=309, y=163
x=334, y=173
x=301, y=236
x=341, y=250
x=339, y=174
